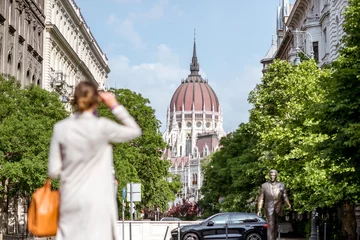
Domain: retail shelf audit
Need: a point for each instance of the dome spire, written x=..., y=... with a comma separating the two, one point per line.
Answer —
x=194, y=66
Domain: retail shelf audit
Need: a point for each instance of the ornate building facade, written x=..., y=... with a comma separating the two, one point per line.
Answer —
x=71, y=53
x=21, y=39
x=311, y=28
x=193, y=129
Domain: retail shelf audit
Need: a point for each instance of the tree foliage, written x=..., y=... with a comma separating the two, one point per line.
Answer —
x=139, y=160
x=27, y=117
x=304, y=123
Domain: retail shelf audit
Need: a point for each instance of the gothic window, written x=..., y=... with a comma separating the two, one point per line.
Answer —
x=206, y=151
x=195, y=152
x=188, y=145
x=194, y=180
x=180, y=153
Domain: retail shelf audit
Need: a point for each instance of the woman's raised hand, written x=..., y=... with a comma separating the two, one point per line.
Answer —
x=108, y=99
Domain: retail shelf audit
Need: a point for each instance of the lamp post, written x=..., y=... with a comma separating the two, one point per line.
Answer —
x=313, y=234
x=297, y=58
x=59, y=85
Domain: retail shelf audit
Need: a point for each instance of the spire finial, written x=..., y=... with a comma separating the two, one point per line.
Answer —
x=194, y=66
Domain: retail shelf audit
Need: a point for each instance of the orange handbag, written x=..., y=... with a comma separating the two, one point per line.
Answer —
x=43, y=212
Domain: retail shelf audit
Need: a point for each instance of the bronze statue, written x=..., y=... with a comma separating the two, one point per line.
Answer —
x=273, y=193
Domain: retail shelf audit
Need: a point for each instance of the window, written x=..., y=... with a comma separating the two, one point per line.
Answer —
x=337, y=29
x=194, y=181
x=180, y=153
x=237, y=218
x=206, y=152
x=195, y=152
x=316, y=51
x=220, y=219
x=188, y=145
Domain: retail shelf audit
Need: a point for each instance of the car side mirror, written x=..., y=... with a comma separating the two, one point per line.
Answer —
x=210, y=223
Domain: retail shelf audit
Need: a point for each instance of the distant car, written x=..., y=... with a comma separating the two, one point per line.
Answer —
x=231, y=225
x=170, y=219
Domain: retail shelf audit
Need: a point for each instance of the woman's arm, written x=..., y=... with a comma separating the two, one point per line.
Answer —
x=55, y=160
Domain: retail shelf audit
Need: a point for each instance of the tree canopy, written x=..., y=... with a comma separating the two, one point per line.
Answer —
x=27, y=117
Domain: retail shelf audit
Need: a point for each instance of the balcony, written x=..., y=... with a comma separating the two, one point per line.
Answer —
x=313, y=19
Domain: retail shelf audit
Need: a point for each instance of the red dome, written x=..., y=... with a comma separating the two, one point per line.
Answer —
x=193, y=94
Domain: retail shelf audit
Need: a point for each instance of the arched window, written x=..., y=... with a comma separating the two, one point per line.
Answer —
x=195, y=179
x=206, y=151
x=195, y=152
x=188, y=145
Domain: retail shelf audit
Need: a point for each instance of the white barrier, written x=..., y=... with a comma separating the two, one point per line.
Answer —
x=149, y=230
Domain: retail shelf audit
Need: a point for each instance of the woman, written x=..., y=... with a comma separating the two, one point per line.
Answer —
x=81, y=155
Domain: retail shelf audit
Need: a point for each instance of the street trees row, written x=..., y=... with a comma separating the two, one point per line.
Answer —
x=304, y=123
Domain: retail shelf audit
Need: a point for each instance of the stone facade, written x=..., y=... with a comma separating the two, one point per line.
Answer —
x=193, y=130
x=71, y=53
x=21, y=39
x=311, y=28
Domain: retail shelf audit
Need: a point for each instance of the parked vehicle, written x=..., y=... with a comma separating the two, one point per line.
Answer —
x=230, y=225
x=170, y=219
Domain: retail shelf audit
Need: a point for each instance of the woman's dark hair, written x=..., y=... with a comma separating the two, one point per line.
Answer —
x=86, y=96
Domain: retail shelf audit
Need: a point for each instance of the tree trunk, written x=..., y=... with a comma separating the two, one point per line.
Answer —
x=349, y=222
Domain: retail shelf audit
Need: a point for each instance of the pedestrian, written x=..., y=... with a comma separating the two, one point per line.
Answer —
x=81, y=156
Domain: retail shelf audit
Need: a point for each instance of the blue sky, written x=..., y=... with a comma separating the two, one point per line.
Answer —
x=149, y=46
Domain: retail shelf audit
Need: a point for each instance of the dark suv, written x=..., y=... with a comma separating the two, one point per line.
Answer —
x=231, y=225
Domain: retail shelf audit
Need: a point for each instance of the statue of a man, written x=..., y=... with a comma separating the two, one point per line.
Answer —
x=273, y=193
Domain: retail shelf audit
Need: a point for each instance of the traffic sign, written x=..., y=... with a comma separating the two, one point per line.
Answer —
x=124, y=192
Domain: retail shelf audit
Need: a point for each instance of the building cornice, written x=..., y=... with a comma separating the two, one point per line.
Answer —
x=37, y=13
x=59, y=38
x=80, y=22
x=297, y=13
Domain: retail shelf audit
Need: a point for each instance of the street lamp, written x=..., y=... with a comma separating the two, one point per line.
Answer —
x=313, y=234
x=59, y=85
x=298, y=49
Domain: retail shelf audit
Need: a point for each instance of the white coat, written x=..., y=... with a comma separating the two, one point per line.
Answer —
x=81, y=155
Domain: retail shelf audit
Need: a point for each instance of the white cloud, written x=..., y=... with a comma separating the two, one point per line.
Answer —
x=233, y=95
x=156, y=81
x=127, y=31
x=126, y=27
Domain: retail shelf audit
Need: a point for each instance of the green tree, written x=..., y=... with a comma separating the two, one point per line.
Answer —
x=340, y=118
x=233, y=173
x=284, y=107
x=27, y=117
x=140, y=160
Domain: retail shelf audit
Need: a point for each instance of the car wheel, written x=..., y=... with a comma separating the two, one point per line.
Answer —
x=191, y=236
x=253, y=236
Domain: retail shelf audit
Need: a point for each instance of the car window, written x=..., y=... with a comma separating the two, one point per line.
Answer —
x=241, y=218
x=220, y=219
